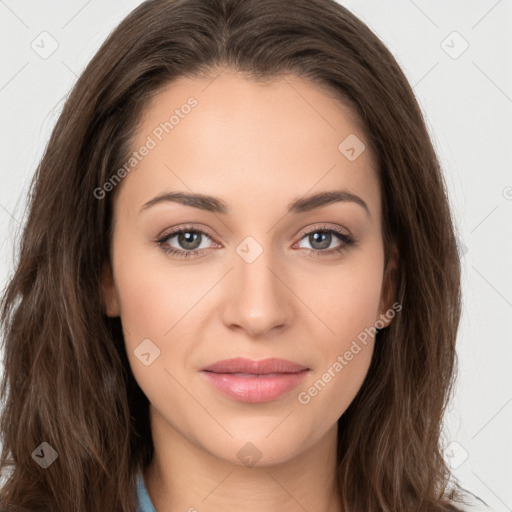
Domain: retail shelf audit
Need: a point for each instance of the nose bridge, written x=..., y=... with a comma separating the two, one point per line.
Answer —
x=258, y=300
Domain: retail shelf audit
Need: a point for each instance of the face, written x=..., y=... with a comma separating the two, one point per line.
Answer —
x=260, y=270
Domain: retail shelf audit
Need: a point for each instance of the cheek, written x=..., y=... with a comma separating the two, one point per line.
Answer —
x=146, y=304
x=153, y=294
x=151, y=304
x=154, y=314
x=346, y=302
x=345, y=297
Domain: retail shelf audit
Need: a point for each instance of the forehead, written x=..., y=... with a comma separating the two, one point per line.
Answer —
x=226, y=135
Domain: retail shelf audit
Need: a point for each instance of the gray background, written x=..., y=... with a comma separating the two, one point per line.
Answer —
x=466, y=97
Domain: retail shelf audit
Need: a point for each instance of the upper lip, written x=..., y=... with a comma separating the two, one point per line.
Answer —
x=250, y=366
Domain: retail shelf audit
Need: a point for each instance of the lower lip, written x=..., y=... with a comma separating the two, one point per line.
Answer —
x=255, y=389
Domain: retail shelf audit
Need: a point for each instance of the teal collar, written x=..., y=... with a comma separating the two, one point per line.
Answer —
x=145, y=504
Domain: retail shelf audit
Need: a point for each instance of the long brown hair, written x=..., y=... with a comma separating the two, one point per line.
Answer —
x=67, y=381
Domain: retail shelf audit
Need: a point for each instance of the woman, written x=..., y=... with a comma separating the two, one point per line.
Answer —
x=170, y=342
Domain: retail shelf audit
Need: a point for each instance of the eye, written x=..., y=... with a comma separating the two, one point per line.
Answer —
x=321, y=240
x=188, y=239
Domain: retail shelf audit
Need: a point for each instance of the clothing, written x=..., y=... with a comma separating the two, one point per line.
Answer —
x=145, y=503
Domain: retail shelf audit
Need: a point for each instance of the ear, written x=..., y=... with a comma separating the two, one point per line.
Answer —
x=389, y=289
x=108, y=291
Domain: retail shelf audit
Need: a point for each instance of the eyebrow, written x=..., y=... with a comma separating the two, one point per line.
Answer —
x=215, y=205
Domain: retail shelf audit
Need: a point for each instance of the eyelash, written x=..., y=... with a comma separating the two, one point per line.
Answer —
x=162, y=242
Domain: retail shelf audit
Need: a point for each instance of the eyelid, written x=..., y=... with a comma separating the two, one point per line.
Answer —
x=326, y=227
x=168, y=232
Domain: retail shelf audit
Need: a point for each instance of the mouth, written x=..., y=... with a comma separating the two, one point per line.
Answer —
x=250, y=381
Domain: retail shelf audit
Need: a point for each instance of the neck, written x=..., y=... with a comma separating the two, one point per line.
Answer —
x=183, y=476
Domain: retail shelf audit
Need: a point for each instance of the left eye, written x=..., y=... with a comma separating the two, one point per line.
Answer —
x=321, y=239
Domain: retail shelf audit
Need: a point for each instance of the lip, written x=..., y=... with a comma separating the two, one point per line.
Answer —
x=250, y=381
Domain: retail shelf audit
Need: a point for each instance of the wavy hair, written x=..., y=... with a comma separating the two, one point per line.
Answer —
x=67, y=381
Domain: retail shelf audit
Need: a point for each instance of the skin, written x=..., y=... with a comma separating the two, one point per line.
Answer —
x=257, y=148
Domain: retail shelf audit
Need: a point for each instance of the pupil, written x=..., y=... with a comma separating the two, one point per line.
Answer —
x=324, y=243
x=189, y=240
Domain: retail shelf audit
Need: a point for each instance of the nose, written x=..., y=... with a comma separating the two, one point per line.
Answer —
x=258, y=300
